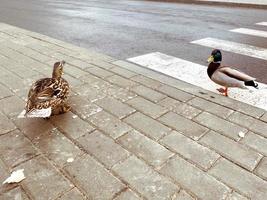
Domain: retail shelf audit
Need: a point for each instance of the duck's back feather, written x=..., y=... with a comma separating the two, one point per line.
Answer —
x=47, y=92
x=233, y=73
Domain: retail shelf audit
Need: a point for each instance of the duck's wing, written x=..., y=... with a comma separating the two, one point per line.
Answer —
x=43, y=94
x=44, y=89
x=233, y=73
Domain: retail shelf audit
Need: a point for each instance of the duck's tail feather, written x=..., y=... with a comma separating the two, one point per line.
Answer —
x=252, y=83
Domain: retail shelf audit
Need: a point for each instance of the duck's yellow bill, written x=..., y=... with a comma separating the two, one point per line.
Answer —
x=210, y=59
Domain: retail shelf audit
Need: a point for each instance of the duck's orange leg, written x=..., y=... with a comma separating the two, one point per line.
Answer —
x=223, y=91
x=226, y=92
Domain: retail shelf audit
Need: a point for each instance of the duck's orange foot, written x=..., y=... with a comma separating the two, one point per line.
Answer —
x=223, y=91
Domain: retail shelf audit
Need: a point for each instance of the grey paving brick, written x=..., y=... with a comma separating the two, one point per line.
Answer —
x=20, y=58
x=45, y=70
x=115, y=107
x=103, y=64
x=147, y=107
x=55, y=146
x=40, y=57
x=4, y=71
x=12, y=82
x=128, y=194
x=261, y=170
x=119, y=93
x=89, y=92
x=143, y=147
x=211, y=107
x=40, y=174
x=3, y=172
x=195, y=180
x=103, y=148
x=73, y=194
x=180, y=107
x=240, y=179
x=83, y=107
x=14, y=194
x=181, y=124
x=6, y=125
x=74, y=71
x=264, y=117
x=120, y=81
x=5, y=92
x=12, y=106
x=33, y=127
x=145, y=180
x=16, y=148
x=72, y=126
x=232, y=150
x=220, y=125
x=73, y=82
x=236, y=196
x=96, y=182
x=175, y=93
x=183, y=195
x=89, y=78
x=124, y=64
x=256, y=142
x=147, y=125
x=148, y=93
x=123, y=72
x=99, y=72
x=151, y=83
x=109, y=124
x=250, y=123
x=79, y=63
x=190, y=149
x=236, y=105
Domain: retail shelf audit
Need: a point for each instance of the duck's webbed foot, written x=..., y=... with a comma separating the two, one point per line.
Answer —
x=224, y=91
x=61, y=109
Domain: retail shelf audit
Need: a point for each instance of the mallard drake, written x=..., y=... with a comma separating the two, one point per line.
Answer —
x=227, y=76
x=48, y=96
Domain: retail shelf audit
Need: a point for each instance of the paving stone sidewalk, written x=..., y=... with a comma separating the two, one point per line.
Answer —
x=132, y=133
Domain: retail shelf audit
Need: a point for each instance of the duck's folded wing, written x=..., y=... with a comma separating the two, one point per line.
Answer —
x=235, y=74
x=47, y=94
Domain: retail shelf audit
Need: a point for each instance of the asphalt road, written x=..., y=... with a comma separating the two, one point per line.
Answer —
x=125, y=29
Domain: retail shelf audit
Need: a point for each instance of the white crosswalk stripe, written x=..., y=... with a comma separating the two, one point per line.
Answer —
x=239, y=48
x=248, y=31
x=197, y=75
x=262, y=23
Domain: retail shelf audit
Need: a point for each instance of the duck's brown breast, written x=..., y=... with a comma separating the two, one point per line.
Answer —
x=212, y=68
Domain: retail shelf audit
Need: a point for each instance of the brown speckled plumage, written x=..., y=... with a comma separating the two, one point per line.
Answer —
x=49, y=92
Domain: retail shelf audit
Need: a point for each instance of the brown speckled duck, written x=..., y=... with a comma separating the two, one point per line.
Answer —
x=227, y=76
x=48, y=96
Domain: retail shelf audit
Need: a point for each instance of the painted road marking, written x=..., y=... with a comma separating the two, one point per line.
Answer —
x=248, y=31
x=244, y=49
x=196, y=74
x=262, y=23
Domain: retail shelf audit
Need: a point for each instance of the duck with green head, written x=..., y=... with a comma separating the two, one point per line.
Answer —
x=227, y=76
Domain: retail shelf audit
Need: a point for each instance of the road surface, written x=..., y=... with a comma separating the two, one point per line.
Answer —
x=126, y=29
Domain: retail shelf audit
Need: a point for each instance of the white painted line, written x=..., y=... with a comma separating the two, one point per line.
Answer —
x=197, y=75
x=244, y=49
x=262, y=23
x=248, y=31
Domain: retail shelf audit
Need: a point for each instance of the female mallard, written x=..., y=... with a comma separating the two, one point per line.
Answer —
x=226, y=76
x=48, y=96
